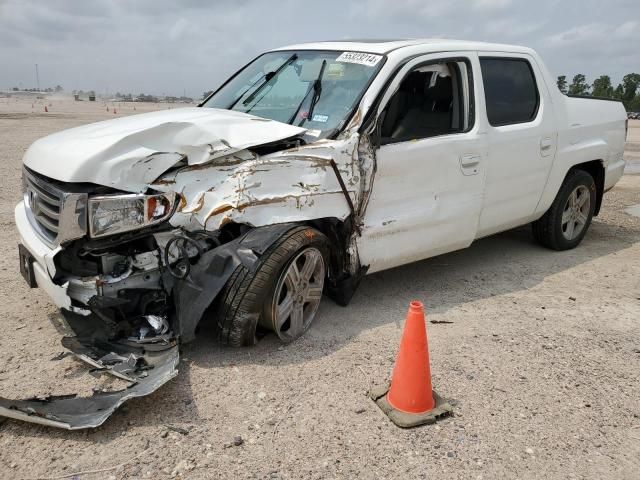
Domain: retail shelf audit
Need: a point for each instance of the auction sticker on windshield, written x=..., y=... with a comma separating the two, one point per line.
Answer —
x=368, y=59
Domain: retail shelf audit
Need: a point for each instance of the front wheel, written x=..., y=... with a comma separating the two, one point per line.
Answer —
x=292, y=305
x=566, y=222
x=282, y=294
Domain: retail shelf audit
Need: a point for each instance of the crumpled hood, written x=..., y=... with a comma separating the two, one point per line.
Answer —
x=128, y=153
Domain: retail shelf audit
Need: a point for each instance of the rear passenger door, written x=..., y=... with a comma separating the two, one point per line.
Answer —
x=427, y=191
x=522, y=138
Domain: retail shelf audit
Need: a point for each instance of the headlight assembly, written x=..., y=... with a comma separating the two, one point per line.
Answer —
x=110, y=214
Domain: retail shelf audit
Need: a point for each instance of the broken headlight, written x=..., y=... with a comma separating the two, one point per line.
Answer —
x=110, y=214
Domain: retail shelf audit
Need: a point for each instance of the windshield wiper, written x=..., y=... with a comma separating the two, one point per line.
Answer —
x=267, y=78
x=317, y=90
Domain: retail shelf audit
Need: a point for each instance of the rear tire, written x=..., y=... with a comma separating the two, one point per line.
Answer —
x=566, y=222
x=247, y=299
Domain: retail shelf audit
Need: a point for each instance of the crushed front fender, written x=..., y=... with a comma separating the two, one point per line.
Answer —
x=146, y=366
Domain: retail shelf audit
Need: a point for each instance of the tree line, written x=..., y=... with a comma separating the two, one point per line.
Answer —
x=628, y=92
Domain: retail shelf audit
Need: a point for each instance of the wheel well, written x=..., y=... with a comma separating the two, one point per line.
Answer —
x=343, y=282
x=595, y=168
x=338, y=232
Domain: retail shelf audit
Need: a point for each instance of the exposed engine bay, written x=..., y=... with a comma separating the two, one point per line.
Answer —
x=129, y=285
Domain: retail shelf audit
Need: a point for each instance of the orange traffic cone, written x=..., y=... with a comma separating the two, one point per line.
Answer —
x=411, y=401
x=114, y=110
x=411, y=390
x=46, y=109
x=107, y=109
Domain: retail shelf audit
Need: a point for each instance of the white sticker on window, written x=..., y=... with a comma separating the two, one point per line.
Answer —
x=313, y=133
x=335, y=70
x=368, y=59
x=320, y=118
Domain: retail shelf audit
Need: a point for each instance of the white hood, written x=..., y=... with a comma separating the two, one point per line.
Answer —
x=130, y=152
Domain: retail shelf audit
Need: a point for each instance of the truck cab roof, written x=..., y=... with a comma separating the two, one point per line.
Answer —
x=430, y=45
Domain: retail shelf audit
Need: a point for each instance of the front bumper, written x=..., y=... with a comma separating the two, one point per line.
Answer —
x=43, y=265
x=145, y=365
x=146, y=362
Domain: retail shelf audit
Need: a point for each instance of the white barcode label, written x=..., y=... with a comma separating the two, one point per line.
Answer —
x=368, y=59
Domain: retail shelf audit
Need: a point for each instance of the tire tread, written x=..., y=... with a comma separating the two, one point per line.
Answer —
x=243, y=295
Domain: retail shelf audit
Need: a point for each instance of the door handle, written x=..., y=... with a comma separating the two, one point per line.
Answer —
x=469, y=163
x=470, y=160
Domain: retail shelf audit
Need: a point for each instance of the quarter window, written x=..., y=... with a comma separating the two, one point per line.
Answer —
x=510, y=90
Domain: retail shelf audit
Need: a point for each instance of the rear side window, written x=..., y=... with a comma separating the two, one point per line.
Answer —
x=510, y=90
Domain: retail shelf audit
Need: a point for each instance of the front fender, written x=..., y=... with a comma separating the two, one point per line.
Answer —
x=293, y=185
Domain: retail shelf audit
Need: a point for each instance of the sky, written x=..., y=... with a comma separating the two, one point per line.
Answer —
x=189, y=46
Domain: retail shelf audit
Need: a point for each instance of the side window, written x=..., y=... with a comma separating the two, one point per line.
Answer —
x=433, y=99
x=510, y=90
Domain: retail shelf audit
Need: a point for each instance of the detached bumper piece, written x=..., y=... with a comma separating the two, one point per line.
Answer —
x=146, y=365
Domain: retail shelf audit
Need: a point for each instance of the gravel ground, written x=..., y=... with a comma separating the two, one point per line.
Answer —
x=541, y=362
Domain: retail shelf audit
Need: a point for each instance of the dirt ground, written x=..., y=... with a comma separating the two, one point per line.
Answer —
x=541, y=361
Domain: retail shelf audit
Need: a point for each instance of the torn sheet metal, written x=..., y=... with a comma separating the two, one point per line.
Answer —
x=291, y=185
x=147, y=367
x=204, y=155
x=130, y=152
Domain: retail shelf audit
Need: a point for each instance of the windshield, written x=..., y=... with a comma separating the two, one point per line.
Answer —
x=311, y=89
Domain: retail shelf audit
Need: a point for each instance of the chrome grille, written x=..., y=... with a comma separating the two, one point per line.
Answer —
x=43, y=202
x=56, y=215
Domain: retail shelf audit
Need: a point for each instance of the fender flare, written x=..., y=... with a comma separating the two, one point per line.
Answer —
x=194, y=294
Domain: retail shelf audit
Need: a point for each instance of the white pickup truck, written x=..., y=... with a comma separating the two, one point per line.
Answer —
x=310, y=167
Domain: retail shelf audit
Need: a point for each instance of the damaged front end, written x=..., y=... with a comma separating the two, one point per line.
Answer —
x=135, y=243
x=132, y=299
x=131, y=316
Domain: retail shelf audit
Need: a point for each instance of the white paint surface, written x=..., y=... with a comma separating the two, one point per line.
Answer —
x=130, y=152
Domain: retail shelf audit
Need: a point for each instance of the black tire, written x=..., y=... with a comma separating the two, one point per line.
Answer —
x=239, y=306
x=548, y=230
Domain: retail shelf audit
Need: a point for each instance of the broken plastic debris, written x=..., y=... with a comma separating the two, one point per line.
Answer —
x=146, y=369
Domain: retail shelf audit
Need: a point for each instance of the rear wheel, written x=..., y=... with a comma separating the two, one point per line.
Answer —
x=566, y=222
x=282, y=294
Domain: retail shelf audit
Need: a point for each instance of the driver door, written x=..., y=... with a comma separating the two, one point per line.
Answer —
x=428, y=187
